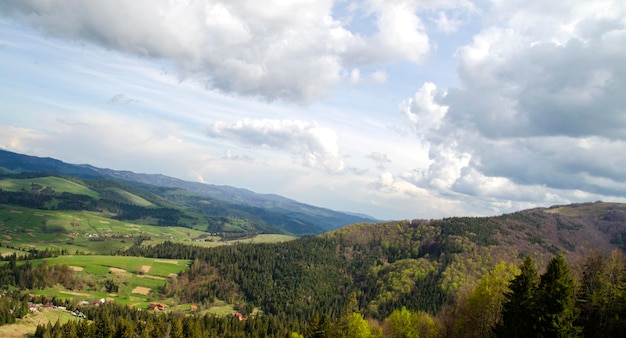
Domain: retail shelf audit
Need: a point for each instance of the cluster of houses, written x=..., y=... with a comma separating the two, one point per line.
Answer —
x=38, y=307
x=154, y=306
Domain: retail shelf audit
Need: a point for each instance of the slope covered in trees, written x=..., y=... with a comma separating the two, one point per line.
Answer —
x=450, y=277
x=421, y=265
x=554, y=304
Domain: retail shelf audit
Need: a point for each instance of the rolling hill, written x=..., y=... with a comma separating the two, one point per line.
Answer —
x=423, y=265
x=265, y=213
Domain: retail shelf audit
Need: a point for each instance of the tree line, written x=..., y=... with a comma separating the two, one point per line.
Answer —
x=507, y=302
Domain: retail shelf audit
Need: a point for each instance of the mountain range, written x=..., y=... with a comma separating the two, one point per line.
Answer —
x=276, y=213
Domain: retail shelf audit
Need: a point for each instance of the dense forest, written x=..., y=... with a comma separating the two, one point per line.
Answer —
x=333, y=286
x=507, y=302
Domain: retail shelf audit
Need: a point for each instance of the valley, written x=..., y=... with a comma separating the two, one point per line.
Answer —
x=128, y=247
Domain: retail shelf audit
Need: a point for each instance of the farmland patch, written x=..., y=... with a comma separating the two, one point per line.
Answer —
x=141, y=290
x=119, y=272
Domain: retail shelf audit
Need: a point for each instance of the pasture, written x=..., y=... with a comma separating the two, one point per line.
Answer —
x=79, y=231
x=134, y=277
x=131, y=198
x=58, y=184
x=26, y=327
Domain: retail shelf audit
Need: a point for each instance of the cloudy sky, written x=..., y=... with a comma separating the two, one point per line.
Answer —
x=397, y=109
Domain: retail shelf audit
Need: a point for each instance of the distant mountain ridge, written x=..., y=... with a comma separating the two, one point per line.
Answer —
x=315, y=219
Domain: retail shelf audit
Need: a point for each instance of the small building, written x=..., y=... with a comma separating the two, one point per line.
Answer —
x=154, y=306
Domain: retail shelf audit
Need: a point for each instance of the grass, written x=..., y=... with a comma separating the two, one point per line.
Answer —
x=267, y=238
x=58, y=184
x=585, y=209
x=27, y=326
x=80, y=231
x=6, y=252
x=131, y=198
x=127, y=272
x=99, y=265
x=222, y=310
x=86, y=232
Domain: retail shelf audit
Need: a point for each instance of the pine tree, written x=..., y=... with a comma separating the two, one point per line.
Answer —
x=602, y=295
x=518, y=313
x=556, y=301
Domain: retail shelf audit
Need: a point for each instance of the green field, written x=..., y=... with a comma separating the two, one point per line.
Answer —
x=7, y=252
x=99, y=265
x=58, y=184
x=89, y=232
x=80, y=231
x=135, y=277
x=267, y=238
x=26, y=327
x=131, y=198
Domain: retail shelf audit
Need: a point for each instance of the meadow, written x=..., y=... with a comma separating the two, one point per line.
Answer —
x=57, y=184
x=26, y=327
x=135, y=278
x=80, y=231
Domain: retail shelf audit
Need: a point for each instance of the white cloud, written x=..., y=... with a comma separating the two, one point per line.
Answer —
x=378, y=77
x=400, y=35
x=293, y=51
x=534, y=114
x=425, y=114
x=355, y=76
x=19, y=139
x=313, y=145
x=381, y=160
x=539, y=116
x=446, y=24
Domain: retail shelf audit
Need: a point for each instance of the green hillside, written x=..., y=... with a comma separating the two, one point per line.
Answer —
x=202, y=206
x=82, y=231
x=57, y=184
x=23, y=229
x=130, y=198
x=145, y=204
x=126, y=280
x=421, y=264
x=450, y=275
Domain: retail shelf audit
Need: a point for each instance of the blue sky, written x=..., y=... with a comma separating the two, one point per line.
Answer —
x=397, y=109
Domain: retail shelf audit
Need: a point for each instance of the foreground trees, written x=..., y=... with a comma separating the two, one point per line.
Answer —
x=506, y=302
x=517, y=319
x=476, y=314
x=555, y=305
x=602, y=296
x=542, y=307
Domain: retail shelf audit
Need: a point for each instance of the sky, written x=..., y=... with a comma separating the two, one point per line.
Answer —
x=396, y=109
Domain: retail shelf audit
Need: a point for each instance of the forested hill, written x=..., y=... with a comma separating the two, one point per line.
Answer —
x=571, y=229
x=275, y=211
x=442, y=278
x=420, y=264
